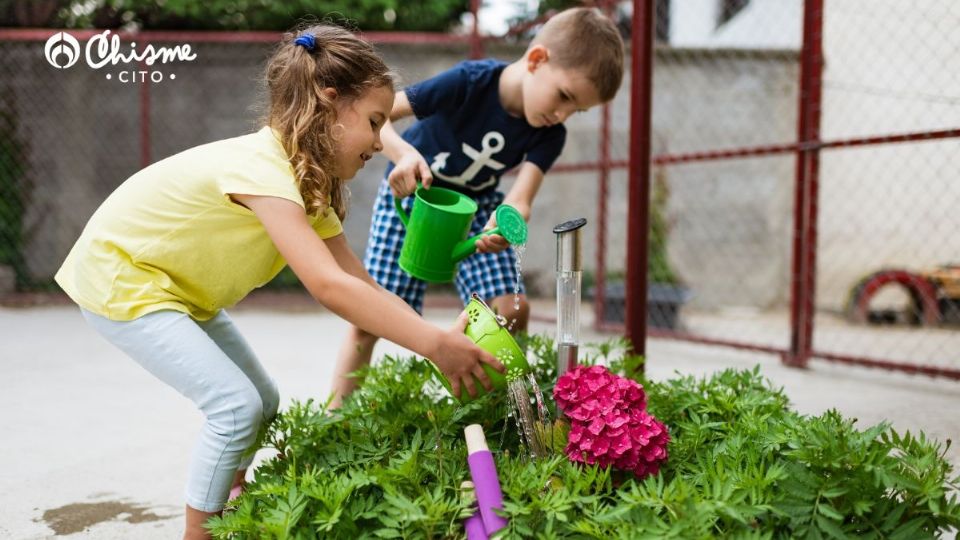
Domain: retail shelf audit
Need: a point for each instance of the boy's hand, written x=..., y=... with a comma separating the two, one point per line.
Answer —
x=410, y=168
x=460, y=360
x=491, y=243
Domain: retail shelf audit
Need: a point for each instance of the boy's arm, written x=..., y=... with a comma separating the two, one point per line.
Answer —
x=350, y=264
x=393, y=144
x=520, y=197
x=410, y=167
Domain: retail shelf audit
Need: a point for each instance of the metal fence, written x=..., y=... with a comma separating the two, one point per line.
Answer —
x=804, y=182
x=802, y=192
x=69, y=134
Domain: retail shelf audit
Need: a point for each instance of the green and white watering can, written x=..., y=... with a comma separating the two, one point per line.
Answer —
x=437, y=226
x=488, y=330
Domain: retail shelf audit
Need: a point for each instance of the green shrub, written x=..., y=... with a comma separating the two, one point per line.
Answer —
x=742, y=464
x=422, y=15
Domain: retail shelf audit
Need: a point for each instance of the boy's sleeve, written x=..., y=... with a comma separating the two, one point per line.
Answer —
x=444, y=92
x=548, y=147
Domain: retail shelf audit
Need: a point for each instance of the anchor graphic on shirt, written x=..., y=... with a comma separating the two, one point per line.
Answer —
x=492, y=143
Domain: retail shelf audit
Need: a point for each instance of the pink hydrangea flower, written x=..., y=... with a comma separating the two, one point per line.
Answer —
x=609, y=423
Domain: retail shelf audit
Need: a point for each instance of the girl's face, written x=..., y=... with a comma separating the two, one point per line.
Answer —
x=361, y=119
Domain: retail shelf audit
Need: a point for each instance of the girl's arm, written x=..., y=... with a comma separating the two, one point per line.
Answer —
x=350, y=264
x=520, y=197
x=410, y=167
x=360, y=303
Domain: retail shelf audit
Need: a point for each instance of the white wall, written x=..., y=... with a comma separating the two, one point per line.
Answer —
x=890, y=67
x=762, y=24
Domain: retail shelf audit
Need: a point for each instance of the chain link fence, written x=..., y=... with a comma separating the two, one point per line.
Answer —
x=76, y=133
x=728, y=94
x=729, y=89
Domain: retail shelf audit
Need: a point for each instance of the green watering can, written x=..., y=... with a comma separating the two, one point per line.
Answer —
x=488, y=330
x=437, y=226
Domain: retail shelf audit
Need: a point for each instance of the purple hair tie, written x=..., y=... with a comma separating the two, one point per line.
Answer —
x=307, y=41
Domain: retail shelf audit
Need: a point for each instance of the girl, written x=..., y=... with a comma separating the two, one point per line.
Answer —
x=189, y=235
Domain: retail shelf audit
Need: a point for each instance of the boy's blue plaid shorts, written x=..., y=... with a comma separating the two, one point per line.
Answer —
x=487, y=274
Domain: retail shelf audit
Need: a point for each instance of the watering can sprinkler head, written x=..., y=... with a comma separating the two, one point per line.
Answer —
x=510, y=225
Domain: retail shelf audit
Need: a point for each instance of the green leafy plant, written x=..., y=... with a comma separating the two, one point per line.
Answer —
x=422, y=15
x=742, y=464
x=658, y=265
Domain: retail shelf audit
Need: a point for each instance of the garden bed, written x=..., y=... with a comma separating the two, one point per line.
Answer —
x=741, y=463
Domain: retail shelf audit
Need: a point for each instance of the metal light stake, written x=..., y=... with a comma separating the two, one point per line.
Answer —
x=569, y=276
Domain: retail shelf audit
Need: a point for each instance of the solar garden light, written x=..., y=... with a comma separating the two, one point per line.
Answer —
x=569, y=276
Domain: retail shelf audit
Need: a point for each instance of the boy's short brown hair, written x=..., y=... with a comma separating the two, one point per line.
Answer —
x=585, y=40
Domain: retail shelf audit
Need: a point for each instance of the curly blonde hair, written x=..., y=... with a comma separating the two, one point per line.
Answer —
x=305, y=117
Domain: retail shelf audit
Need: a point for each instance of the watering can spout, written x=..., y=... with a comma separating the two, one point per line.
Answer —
x=464, y=249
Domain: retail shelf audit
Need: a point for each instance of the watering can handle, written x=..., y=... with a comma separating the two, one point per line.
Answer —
x=404, y=216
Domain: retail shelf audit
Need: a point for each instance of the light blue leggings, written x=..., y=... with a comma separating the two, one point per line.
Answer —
x=210, y=363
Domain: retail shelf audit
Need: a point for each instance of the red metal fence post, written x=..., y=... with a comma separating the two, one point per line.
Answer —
x=603, y=179
x=476, y=42
x=803, y=282
x=638, y=196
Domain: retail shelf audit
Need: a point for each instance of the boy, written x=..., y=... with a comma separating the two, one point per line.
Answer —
x=475, y=122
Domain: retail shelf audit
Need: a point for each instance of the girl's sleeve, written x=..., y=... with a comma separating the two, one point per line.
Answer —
x=444, y=92
x=266, y=177
x=327, y=225
x=273, y=182
x=267, y=172
x=548, y=147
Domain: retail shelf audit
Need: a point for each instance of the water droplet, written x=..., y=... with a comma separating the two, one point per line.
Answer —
x=519, y=250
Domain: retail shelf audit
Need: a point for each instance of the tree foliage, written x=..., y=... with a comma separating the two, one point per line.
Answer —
x=406, y=15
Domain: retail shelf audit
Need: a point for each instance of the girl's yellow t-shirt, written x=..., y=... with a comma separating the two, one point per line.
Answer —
x=170, y=237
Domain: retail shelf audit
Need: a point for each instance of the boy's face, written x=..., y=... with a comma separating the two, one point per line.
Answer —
x=551, y=94
x=361, y=119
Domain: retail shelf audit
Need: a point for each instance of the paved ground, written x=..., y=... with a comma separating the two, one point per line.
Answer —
x=94, y=447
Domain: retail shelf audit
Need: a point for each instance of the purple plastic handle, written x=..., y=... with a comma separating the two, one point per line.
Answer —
x=487, y=488
x=474, y=527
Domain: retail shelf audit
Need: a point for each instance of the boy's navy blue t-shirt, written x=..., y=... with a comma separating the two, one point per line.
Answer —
x=467, y=137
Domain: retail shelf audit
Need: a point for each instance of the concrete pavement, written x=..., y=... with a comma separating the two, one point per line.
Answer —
x=94, y=447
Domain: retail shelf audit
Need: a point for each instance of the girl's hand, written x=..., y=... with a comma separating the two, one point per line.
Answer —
x=491, y=243
x=410, y=168
x=460, y=360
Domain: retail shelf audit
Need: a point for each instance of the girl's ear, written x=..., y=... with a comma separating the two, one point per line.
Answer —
x=537, y=56
x=330, y=92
